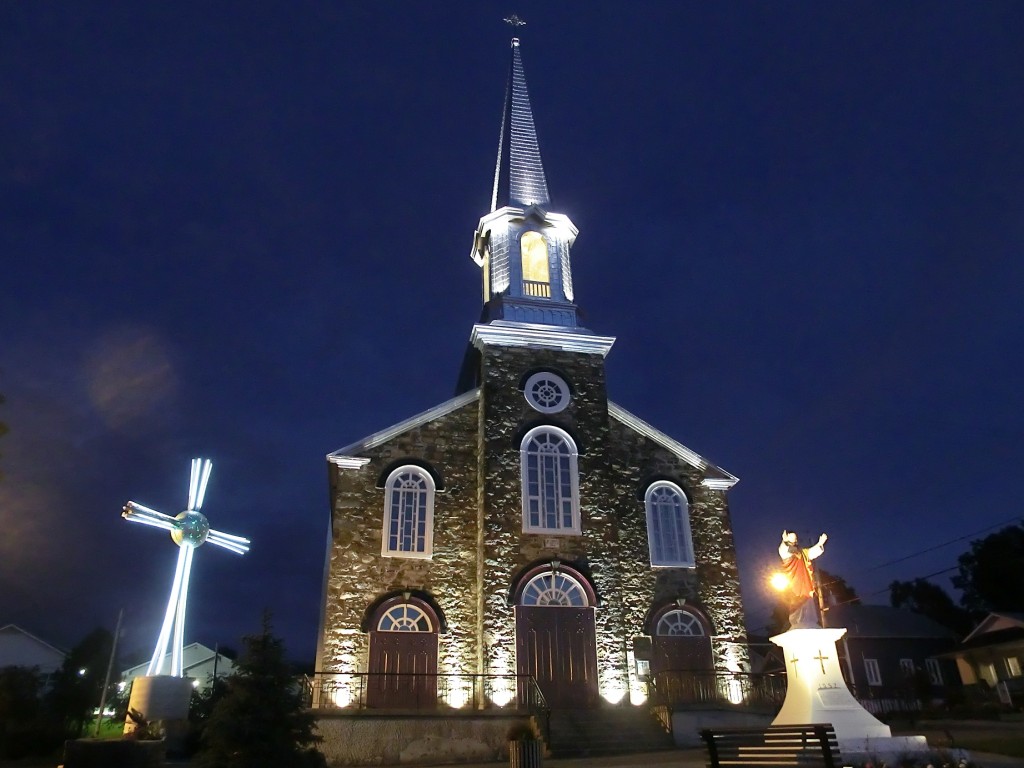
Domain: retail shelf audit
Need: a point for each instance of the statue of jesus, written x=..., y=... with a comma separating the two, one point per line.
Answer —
x=796, y=563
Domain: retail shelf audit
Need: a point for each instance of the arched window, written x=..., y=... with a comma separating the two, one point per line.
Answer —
x=408, y=513
x=668, y=526
x=679, y=623
x=550, y=479
x=405, y=617
x=536, y=270
x=554, y=589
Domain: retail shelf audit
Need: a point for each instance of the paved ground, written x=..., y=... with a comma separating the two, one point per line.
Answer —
x=697, y=758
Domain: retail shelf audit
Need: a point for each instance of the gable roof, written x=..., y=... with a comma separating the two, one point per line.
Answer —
x=996, y=622
x=12, y=629
x=883, y=621
x=716, y=477
x=193, y=655
x=347, y=457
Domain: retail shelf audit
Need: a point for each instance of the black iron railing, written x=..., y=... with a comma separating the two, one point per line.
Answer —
x=681, y=688
x=424, y=692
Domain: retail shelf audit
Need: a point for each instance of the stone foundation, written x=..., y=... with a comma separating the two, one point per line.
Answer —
x=413, y=740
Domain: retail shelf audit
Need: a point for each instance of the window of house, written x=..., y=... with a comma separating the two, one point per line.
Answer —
x=1013, y=666
x=536, y=270
x=404, y=618
x=408, y=513
x=988, y=672
x=874, y=675
x=668, y=526
x=679, y=623
x=934, y=671
x=550, y=480
x=554, y=589
x=907, y=667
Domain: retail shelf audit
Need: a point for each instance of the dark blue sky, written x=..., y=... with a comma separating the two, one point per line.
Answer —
x=241, y=230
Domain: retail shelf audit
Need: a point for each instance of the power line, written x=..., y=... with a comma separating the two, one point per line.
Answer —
x=940, y=546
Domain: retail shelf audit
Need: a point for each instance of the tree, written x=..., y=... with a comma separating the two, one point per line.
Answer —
x=835, y=589
x=931, y=600
x=78, y=684
x=991, y=574
x=260, y=721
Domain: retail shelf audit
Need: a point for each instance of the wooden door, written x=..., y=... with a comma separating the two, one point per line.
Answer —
x=403, y=670
x=681, y=660
x=557, y=645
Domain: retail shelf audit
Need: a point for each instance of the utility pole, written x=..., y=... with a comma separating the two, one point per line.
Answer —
x=110, y=668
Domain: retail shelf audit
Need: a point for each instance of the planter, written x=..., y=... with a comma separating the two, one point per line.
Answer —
x=525, y=753
x=97, y=753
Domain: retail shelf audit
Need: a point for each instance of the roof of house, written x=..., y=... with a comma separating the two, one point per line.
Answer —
x=15, y=630
x=1001, y=627
x=884, y=621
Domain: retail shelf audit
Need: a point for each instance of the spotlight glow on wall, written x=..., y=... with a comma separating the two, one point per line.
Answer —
x=189, y=530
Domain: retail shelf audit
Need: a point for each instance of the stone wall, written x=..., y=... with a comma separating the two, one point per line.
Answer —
x=357, y=574
x=405, y=740
x=479, y=544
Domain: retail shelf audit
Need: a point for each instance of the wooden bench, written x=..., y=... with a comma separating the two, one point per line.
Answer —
x=777, y=745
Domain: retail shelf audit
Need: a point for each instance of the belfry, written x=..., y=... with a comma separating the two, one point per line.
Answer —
x=529, y=533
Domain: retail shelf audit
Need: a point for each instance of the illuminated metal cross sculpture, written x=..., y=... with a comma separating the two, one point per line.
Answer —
x=189, y=530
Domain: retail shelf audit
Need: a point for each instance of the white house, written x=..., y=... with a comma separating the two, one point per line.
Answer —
x=19, y=648
x=198, y=662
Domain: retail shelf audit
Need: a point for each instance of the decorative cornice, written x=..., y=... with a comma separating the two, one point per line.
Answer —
x=502, y=333
x=723, y=483
x=348, y=462
x=346, y=457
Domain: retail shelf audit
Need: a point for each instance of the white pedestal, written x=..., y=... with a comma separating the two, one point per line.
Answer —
x=160, y=697
x=817, y=693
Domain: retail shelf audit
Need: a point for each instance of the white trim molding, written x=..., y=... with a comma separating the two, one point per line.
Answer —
x=503, y=333
x=346, y=458
x=694, y=459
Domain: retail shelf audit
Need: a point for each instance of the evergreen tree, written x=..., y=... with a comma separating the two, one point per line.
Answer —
x=260, y=721
x=77, y=685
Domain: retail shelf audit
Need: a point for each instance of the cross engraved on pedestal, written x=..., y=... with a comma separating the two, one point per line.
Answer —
x=820, y=658
x=793, y=661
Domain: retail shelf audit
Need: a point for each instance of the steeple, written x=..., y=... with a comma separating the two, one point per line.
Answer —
x=519, y=174
x=522, y=247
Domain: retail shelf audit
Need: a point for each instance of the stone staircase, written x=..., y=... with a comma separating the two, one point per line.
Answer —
x=606, y=731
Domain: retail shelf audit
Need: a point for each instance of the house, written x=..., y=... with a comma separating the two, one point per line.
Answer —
x=20, y=648
x=990, y=658
x=200, y=663
x=529, y=526
x=894, y=658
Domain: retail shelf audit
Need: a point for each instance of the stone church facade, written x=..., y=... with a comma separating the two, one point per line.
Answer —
x=529, y=525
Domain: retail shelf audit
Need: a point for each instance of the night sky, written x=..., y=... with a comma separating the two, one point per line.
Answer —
x=241, y=230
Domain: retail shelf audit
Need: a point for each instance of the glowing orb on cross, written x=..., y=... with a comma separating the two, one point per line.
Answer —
x=189, y=530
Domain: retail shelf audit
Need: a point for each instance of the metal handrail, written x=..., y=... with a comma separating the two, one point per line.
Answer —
x=424, y=692
x=684, y=687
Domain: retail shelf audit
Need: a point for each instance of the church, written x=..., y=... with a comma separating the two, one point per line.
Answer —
x=528, y=529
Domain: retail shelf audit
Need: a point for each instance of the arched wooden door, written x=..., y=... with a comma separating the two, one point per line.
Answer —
x=556, y=640
x=682, y=663
x=403, y=656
